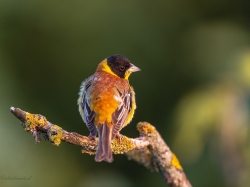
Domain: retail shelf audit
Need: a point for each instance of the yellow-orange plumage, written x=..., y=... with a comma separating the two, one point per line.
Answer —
x=107, y=102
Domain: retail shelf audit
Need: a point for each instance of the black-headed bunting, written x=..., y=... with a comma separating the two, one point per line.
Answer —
x=107, y=102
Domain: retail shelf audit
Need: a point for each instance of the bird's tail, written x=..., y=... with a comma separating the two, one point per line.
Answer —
x=104, y=151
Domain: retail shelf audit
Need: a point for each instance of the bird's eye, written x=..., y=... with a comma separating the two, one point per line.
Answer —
x=122, y=68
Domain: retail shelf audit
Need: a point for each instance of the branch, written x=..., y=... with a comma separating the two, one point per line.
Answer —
x=149, y=149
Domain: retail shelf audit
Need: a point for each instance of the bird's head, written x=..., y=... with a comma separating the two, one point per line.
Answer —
x=118, y=65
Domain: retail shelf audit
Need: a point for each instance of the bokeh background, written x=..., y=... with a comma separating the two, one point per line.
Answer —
x=194, y=86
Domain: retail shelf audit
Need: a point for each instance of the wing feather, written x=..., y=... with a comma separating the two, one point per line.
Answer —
x=87, y=114
x=120, y=115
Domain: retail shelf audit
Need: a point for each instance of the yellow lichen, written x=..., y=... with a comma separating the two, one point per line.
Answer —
x=175, y=162
x=33, y=121
x=122, y=145
x=55, y=134
x=146, y=128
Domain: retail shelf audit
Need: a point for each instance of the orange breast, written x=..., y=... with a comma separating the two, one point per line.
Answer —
x=101, y=96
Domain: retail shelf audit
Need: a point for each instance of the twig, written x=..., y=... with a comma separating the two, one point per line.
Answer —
x=149, y=149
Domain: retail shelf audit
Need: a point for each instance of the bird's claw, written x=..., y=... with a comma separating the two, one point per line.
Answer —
x=119, y=137
x=91, y=137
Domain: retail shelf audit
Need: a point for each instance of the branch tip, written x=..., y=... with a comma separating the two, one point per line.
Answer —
x=12, y=109
x=146, y=129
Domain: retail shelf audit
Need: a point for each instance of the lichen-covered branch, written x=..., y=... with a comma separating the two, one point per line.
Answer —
x=149, y=149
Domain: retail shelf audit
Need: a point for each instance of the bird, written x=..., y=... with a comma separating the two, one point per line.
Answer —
x=106, y=102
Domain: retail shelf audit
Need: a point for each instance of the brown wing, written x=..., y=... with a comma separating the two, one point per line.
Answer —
x=120, y=115
x=87, y=114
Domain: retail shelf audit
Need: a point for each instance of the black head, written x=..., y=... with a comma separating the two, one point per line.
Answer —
x=119, y=65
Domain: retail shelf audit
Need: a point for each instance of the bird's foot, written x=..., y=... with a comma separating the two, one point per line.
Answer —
x=91, y=137
x=119, y=137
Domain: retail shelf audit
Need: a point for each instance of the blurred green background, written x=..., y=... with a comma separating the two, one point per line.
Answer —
x=194, y=86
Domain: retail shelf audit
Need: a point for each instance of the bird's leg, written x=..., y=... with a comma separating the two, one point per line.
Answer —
x=92, y=137
x=118, y=136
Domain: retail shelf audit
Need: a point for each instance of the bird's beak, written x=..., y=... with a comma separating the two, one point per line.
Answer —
x=133, y=68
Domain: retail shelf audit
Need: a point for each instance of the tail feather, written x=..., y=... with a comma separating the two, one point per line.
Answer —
x=104, y=151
